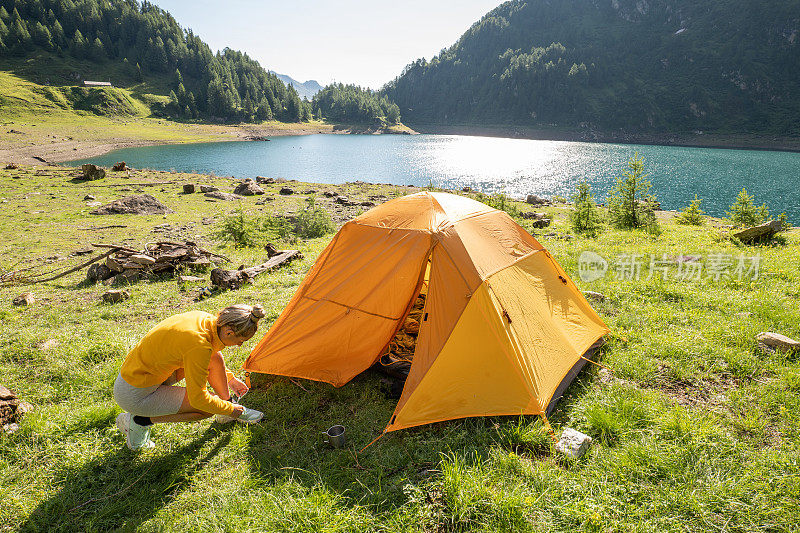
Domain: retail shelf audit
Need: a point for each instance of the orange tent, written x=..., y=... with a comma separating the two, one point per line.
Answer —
x=504, y=329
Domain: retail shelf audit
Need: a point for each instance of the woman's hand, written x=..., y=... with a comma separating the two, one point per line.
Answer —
x=237, y=410
x=238, y=387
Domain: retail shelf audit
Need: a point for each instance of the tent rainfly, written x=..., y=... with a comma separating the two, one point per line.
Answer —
x=504, y=330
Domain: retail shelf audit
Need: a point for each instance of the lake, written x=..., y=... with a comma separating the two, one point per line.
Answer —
x=513, y=166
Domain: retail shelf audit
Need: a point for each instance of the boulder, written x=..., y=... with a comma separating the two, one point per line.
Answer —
x=541, y=223
x=142, y=204
x=120, y=167
x=770, y=342
x=219, y=195
x=188, y=188
x=88, y=198
x=532, y=215
x=208, y=188
x=573, y=443
x=286, y=191
x=116, y=295
x=536, y=200
x=248, y=187
x=26, y=298
x=330, y=194
x=760, y=232
x=92, y=172
x=99, y=272
x=11, y=166
x=343, y=200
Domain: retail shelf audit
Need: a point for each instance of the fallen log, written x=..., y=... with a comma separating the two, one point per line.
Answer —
x=234, y=279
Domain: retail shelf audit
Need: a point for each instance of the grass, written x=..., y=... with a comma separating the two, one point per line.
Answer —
x=695, y=431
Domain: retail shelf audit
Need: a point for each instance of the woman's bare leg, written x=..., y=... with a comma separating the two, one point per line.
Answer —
x=218, y=381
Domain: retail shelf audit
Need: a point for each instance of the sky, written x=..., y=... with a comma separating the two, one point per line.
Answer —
x=350, y=41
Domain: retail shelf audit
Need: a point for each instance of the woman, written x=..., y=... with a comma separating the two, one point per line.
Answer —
x=187, y=346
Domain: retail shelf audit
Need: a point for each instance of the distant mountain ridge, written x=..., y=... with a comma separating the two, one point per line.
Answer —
x=725, y=66
x=305, y=89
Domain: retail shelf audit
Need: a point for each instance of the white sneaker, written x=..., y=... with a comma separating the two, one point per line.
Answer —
x=248, y=416
x=136, y=437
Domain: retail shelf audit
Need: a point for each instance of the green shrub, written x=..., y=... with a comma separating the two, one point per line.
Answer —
x=314, y=221
x=692, y=215
x=499, y=201
x=585, y=217
x=629, y=204
x=239, y=228
x=744, y=212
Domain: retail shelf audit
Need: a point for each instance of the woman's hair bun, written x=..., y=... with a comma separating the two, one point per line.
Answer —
x=257, y=312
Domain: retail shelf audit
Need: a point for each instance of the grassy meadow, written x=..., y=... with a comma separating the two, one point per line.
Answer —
x=695, y=430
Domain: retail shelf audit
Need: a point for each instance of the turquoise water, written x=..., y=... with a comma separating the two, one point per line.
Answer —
x=514, y=166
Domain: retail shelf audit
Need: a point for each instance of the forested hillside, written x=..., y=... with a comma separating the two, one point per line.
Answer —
x=633, y=65
x=143, y=42
x=350, y=103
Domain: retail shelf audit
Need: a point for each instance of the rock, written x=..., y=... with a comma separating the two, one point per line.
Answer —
x=310, y=191
x=207, y=188
x=190, y=279
x=286, y=191
x=262, y=179
x=92, y=172
x=116, y=295
x=343, y=200
x=330, y=194
x=541, y=223
x=93, y=204
x=248, y=188
x=26, y=298
x=48, y=345
x=536, y=200
x=466, y=189
x=88, y=197
x=11, y=428
x=761, y=232
x=573, y=443
x=595, y=296
x=206, y=221
x=142, y=204
x=532, y=215
x=219, y=195
x=98, y=272
x=120, y=167
x=12, y=166
x=770, y=342
x=6, y=394
x=188, y=188
x=142, y=259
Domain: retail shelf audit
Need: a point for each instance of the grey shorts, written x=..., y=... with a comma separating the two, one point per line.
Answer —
x=158, y=400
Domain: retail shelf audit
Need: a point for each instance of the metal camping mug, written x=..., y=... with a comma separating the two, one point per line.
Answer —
x=335, y=436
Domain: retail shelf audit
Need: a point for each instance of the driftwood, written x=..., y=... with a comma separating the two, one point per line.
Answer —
x=759, y=233
x=15, y=278
x=234, y=279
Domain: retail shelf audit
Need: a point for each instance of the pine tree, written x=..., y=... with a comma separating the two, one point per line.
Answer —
x=41, y=36
x=98, y=51
x=58, y=35
x=744, y=212
x=692, y=215
x=4, y=16
x=584, y=217
x=78, y=45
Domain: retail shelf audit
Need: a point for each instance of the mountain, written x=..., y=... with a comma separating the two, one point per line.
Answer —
x=139, y=46
x=306, y=89
x=727, y=66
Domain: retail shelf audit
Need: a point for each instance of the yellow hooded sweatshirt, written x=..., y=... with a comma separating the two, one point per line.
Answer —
x=186, y=341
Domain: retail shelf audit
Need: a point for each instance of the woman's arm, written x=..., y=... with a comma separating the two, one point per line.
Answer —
x=195, y=365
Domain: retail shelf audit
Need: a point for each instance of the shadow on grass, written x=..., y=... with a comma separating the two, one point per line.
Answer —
x=288, y=445
x=126, y=488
